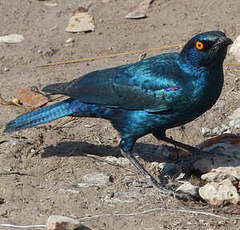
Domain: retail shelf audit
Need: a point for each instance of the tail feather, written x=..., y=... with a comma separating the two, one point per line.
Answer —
x=40, y=116
x=57, y=88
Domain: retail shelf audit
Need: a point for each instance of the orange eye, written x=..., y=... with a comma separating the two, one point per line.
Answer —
x=199, y=45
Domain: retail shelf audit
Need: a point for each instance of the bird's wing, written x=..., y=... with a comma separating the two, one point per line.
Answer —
x=154, y=85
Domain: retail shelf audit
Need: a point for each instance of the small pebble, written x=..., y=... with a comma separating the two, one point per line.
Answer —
x=51, y=4
x=32, y=151
x=69, y=40
x=68, y=191
x=16, y=101
x=190, y=189
x=4, y=68
x=206, y=132
x=236, y=113
x=12, y=38
x=95, y=179
x=63, y=223
x=118, y=160
x=136, y=182
x=235, y=123
x=235, y=49
x=98, y=179
x=219, y=130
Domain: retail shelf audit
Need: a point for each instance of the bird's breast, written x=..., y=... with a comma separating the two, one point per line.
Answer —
x=206, y=91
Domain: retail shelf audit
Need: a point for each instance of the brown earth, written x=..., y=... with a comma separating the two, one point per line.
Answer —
x=55, y=159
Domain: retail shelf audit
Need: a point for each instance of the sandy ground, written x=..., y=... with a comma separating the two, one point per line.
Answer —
x=55, y=159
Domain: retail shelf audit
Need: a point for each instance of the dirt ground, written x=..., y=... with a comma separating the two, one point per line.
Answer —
x=55, y=159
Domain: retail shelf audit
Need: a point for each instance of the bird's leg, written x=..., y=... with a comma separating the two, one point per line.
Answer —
x=161, y=135
x=196, y=153
x=150, y=178
x=187, y=163
x=179, y=144
x=147, y=175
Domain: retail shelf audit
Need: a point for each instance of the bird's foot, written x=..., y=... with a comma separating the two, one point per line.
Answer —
x=165, y=191
x=151, y=180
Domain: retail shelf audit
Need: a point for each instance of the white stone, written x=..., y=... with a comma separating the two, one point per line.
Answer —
x=221, y=173
x=68, y=191
x=157, y=165
x=105, y=1
x=220, y=193
x=220, y=129
x=235, y=49
x=51, y=4
x=69, y=40
x=4, y=68
x=80, y=22
x=188, y=188
x=63, y=223
x=235, y=123
x=136, y=182
x=139, y=11
x=235, y=114
x=12, y=38
x=97, y=179
x=206, y=132
x=118, y=160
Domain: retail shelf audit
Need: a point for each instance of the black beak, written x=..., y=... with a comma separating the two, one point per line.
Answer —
x=223, y=41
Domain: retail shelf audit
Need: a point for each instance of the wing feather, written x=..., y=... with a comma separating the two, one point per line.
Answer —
x=154, y=84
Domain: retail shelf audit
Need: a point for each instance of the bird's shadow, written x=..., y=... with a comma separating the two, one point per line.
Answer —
x=145, y=151
x=74, y=148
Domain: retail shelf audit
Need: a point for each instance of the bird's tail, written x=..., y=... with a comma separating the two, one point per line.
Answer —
x=41, y=116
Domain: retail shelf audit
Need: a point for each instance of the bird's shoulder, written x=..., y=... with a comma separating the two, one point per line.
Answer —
x=152, y=73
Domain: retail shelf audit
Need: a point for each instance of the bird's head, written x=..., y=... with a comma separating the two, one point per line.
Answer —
x=206, y=49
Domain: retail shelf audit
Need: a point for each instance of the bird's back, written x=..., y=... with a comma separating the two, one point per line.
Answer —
x=156, y=84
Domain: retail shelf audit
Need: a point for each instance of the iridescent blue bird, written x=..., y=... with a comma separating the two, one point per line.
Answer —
x=149, y=96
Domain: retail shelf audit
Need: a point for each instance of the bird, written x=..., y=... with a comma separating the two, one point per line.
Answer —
x=145, y=97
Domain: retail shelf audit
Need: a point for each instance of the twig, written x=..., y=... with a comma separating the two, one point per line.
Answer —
x=63, y=123
x=7, y=103
x=54, y=99
x=153, y=210
x=111, y=55
x=122, y=54
x=127, y=214
x=23, y=227
x=4, y=102
x=54, y=168
x=14, y=173
x=232, y=64
x=3, y=141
